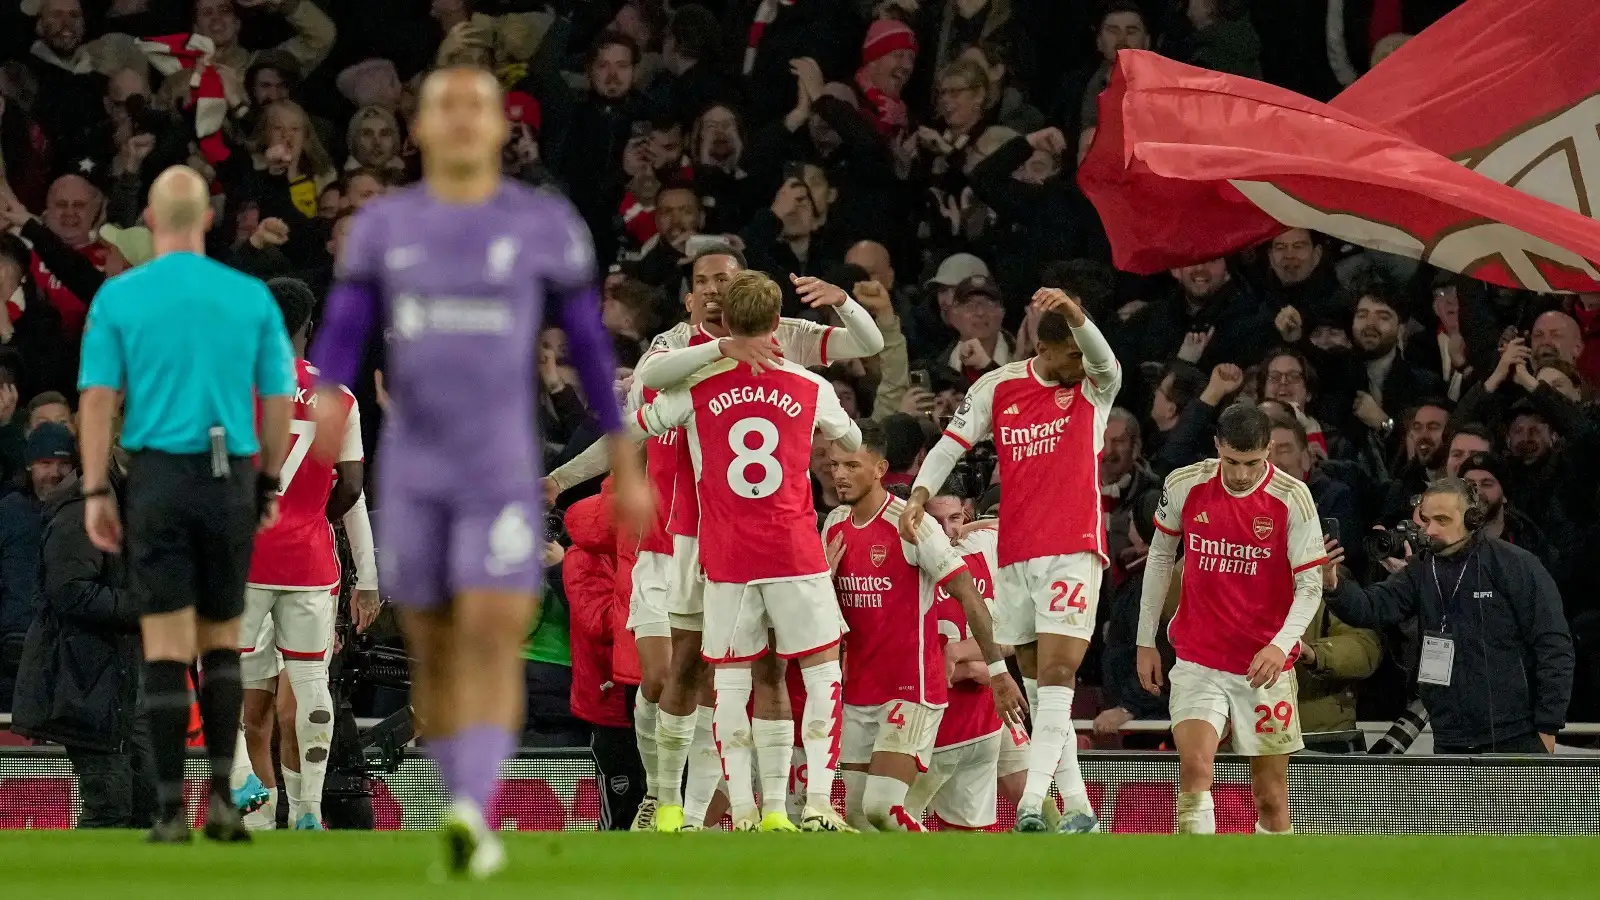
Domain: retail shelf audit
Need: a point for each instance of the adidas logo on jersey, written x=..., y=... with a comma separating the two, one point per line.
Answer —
x=1010, y=410
x=1203, y=519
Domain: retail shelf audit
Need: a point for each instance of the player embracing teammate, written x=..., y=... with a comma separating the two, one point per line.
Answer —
x=748, y=430
x=1048, y=417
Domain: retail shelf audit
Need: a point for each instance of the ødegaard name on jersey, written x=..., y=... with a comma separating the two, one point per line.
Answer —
x=1226, y=557
x=728, y=399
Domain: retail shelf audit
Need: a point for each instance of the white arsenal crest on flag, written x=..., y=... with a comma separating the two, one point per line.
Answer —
x=879, y=554
x=1262, y=527
x=1063, y=398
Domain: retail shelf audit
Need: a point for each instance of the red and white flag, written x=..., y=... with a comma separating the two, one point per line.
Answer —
x=207, y=93
x=1468, y=148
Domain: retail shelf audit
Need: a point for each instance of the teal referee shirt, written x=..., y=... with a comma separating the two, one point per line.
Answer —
x=194, y=343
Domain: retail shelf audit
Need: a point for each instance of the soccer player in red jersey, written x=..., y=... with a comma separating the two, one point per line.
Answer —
x=896, y=692
x=1252, y=552
x=1048, y=417
x=294, y=571
x=749, y=435
x=668, y=584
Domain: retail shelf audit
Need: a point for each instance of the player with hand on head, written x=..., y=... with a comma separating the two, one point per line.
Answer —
x=887, y=588
x=1048, y=417
x=459, y=269
x=749, y=437
x=1252, y=580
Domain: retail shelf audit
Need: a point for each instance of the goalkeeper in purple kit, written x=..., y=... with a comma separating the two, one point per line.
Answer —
x=459, y=270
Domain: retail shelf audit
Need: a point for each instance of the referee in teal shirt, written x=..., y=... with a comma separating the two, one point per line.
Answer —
x=192, y=344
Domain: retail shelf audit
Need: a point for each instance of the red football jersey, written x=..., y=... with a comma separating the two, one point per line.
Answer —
x=1048, y=438
x=749, y=437
x=970, y=715
x=1240, y=558
x=73, y=310
x=297, y=553
x=806, y=343
x=886, y=593
x=661, y=465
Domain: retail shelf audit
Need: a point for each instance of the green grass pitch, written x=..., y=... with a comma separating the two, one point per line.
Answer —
x=357, y=866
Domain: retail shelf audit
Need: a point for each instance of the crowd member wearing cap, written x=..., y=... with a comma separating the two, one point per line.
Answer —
x=51, y=458
x=928, y=325
x=977, y=314
x=373, y=139
x=888, y=56
x=78, y=682
x=1500, y=519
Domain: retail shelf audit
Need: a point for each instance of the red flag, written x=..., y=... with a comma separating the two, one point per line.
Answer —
x=1191, y=164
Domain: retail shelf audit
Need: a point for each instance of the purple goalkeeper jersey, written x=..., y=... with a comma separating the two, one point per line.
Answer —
x=461, y=291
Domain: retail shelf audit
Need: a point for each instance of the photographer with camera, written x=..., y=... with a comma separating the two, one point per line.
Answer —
x=1495, y=673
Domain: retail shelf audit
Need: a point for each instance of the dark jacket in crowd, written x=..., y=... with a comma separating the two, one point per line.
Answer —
x=1513, y=664
x=20, y=528
x=1243, y=329
x=78, y=684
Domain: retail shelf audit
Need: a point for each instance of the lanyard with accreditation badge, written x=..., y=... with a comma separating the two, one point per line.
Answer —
x=1439, y=650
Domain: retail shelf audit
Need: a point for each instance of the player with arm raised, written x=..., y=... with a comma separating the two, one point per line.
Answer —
x=1048, y=417
x=887, y=588
x=749, y=436
x=1252, y=552
x=674, y=356
x=459, y=269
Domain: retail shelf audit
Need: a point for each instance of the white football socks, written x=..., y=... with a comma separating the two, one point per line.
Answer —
x=1053, y=755
x=674, y=735
x=242, y=768
x=313, y=729
x=644, y=733
x=823, y=712
x=1196, y=814
x=774, y=739
x=1261, y=830
x=705, y=770
x=886, y=804
x=855, y=790
x=1030, y=686
x=731, y=730
x=292, y=790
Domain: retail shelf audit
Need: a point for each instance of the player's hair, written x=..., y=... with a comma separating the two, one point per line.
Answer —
x=1244, y=428
x=1291, y=424
x=47, y=398
x=751, y=304
x=1053, y=328
x=874, y=437
x=295, y=301
x=718, y=249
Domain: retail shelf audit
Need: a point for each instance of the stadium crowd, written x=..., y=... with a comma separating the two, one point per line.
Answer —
x=920, y=155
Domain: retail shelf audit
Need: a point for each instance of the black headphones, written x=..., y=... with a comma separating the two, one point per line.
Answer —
x=1475, y=515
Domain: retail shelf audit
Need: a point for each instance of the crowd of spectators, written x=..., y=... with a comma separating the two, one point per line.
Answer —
x=919, y=154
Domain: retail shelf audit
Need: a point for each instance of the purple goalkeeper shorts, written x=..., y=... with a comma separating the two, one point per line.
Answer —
x=435, y=548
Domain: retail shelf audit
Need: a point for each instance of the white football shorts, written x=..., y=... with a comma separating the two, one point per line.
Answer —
x=803, y=615
x=652, y=584
x=1048, y=595
x=899, y=726
x=301, y=626
x=260, y=663
x=1265, y=721
x=686, y=592
x=959, y=786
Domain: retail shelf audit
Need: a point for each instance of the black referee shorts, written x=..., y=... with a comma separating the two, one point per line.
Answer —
x=189, y=534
